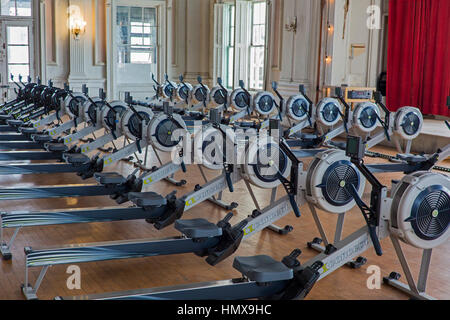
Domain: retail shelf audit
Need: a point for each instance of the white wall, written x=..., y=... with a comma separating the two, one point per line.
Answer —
x=293, y=57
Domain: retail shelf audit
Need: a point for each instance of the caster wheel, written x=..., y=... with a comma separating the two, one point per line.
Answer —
x=317, y=241
x=181, y=183
x=286, y=230
x=395, y=276
x=197, y=187
x=358, y=263
x=233, y=206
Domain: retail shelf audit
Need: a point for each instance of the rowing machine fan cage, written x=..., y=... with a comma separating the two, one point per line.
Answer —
x=161, y=131
x=209, y=151
x=263, y=159
x=327, y=111
x=184, y=91
x=264, y=103
x=200, y=94
x=218, y=96
x=328, y=176
x=420, y=210
x=298, y=107
x=90, y=110
x=365, y=116
x=73, y=105
x=238, y=100
x=130, y=123
x=408, y=122
x=167, y=89
x=109, y=119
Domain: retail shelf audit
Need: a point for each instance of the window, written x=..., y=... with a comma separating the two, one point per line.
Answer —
x=240, y=47
x=257, y=45
x=21, y=8
x=229, y=60
x=137, y=38
x=18, y=50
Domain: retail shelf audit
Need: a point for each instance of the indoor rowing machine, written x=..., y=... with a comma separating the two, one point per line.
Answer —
x=262, y=277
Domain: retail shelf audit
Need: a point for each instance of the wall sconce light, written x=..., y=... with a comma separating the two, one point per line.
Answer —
x=77, y=26
x=328, y=59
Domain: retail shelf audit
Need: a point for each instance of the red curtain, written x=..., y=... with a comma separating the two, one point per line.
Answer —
x=419, y=55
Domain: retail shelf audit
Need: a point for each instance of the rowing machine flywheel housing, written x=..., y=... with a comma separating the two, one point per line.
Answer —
x=73, y=105
x=298, y=107
x=209, y=147
x=264, y=103
x=263, y=160
x=328, y=112
x=109, y=119
x=218, y=96
x=408, y=122
x=200, y=94
x=365, y=116
x=162, y=130
x=167, y=90
x=184, y=92
x=328, y=178
x=130, y=123
x=238, y=100
x=91, y=110
x=420, y=211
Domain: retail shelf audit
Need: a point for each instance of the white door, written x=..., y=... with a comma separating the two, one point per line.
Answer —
x=137, y=49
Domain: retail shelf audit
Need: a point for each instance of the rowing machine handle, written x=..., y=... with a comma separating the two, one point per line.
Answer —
x=101, y=94
x=183, y=167
x=229, y=181
x=294, y=205
x=375, y=240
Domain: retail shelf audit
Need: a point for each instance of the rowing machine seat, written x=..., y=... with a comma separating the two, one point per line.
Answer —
x=410, y=158
x=198, y=228
x=76, y=158
x=109, y=178
x=15, y=123
x=56, y=147
x=42, y=138
x=28, y=130
x=262, y=269
x=147, y=199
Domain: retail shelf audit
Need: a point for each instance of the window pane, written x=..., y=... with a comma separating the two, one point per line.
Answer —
x=122, y=15
x=259, y=32
x=18, y=54
x=256, y=68
x=259, y=13
x=17, y=35
x=24, y=8
x=16, y=70
x=141, y=57
x=123, y=35
x=136, y=14
x=230, y=66
x=8, y=7
x=150, y=16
